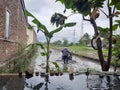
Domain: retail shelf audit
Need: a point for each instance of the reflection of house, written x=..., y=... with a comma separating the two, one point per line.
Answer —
x=12, y=28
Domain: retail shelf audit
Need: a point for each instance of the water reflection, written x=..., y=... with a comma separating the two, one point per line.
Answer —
x=97, y=82
x=71, y=76
x=103, y=82
x=116, y=83
x=46, y=82
x=11, y=82
x=64, y=82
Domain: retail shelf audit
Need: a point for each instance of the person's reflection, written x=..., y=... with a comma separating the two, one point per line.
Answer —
x=70, y=71
x=71, y=76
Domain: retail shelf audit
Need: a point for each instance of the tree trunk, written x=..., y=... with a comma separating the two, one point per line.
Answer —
x=110, y=38
x=103, y=63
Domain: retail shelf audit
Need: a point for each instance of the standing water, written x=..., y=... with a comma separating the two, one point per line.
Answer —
x=72, y=81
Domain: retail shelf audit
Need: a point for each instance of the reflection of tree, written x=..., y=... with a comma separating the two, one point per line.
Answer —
x=116, y=83
x=101, y=82
x=38, y=86
x=46, y=82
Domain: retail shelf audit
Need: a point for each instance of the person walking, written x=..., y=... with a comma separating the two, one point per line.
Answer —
x=65, y=55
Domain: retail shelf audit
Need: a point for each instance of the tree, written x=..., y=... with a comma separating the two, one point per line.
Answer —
x=65, y=42
x=48, y=36
x=85, y=39
x=116, y=52
x=58, y=42
x=92, y=9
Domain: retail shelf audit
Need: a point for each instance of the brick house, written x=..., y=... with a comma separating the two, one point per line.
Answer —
x=13, y=26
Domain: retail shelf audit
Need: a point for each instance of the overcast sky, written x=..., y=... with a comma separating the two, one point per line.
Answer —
x=44, y=9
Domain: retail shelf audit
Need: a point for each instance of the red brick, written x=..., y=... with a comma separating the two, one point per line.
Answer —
x=18, y=29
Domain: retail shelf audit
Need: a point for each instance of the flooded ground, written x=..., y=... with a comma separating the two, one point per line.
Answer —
x=64, y=82
x=75, y=81
x=77, y=63
x=79, y=82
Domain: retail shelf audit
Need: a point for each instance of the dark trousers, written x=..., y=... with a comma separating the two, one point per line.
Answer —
x=65, y=59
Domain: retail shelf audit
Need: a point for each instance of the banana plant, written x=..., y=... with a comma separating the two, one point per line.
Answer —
x=48, y=35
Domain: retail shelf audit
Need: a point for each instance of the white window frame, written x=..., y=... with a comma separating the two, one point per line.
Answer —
x=7, y=25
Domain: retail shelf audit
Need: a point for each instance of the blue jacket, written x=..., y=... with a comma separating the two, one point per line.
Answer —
x=65, y=52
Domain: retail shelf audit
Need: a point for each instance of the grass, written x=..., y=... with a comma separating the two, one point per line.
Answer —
x=83, y=51
x=81, y=48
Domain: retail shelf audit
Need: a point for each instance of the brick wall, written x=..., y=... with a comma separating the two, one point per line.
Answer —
x=8, y=49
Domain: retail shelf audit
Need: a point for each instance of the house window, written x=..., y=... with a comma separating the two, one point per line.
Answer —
x=7, y=24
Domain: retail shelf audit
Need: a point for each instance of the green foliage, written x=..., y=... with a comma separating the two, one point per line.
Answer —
x=65, y=69
x=43, y=28
x=58, y=42
x=116, y=50
x=103, y=29
x=58, y=19
x=40, y=44
x=43, y=53
x=56, y=65
x=116, y=3
x=116, y=53
x=85, y=40
x=36, y=22
x=30, y=27
x=22, y=60
x=82, y=6
x=65, y=42
x=115, y=26
x=69, y=24
x=118, y=22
